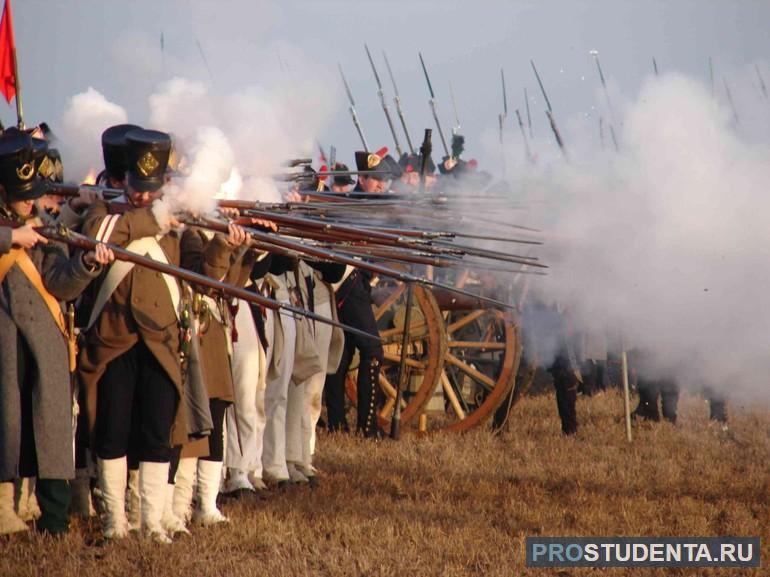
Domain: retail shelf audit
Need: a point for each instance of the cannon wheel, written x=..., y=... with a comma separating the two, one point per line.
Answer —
x=426, y=349
x=480, y=367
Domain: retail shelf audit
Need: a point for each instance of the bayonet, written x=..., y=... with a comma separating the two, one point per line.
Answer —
x=542, y=88
x=352, y=109
x=432, y=103
x=381, y=94
x=455, y=128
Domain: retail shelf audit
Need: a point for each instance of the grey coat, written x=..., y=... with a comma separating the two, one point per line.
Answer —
x=24, y=313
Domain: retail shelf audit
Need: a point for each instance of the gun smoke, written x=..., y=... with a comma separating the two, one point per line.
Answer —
x=664, y=243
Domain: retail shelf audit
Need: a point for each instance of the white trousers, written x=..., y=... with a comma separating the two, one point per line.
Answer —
x=301, y=439
x=246, y=417
x=277, y=398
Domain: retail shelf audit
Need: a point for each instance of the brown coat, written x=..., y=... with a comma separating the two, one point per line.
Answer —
x=141, y=307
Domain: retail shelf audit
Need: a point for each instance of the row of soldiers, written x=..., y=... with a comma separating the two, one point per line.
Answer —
x=123, y=383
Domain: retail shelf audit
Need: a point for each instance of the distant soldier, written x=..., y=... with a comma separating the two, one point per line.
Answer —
x=411, y=167
x=342, y=182
x=354, y=305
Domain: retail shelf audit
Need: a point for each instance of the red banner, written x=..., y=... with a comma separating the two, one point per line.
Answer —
x=7, y=52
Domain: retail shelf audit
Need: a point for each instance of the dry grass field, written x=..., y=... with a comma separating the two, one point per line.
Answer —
x=463, y=505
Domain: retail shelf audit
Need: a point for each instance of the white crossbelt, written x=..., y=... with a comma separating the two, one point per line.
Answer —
x=146, y=246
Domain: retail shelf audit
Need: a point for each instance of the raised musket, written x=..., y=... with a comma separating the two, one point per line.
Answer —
x=397, y=101
x=352, y=108
x=384, y=104
x=549, y=112
x=432, y=103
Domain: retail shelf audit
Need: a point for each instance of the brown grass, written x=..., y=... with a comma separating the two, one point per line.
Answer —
x=462, y=505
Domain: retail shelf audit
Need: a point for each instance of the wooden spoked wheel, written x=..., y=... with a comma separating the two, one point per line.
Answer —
x=479, y=370
x=426, y=349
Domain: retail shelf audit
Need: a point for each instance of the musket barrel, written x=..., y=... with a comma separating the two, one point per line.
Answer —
x=87, y=243
x=64, y=189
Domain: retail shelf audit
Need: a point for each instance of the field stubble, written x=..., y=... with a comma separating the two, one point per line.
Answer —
x=463, y=505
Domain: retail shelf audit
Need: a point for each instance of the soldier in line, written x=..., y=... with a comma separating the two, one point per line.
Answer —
x=214, y=325
x=341, y=182
x=36, y=347
x=132, y=350
x=246, y=416
x=354, y=306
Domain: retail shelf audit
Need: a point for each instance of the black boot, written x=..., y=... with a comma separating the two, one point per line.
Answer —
x=368, y=388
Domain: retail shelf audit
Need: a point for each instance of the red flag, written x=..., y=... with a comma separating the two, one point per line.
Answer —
x=7, y=54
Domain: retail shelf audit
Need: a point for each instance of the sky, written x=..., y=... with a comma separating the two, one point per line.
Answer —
x=114, y=47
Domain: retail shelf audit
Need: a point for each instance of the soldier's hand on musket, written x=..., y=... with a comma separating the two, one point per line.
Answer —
x=26, y=237
x=101, y=254
x=174, y=222
x=294, y=196
x=237, y=235
x=229, y=212
x=84, y=199
x=263, y=223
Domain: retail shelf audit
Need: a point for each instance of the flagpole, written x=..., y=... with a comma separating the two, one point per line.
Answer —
x=19, y=107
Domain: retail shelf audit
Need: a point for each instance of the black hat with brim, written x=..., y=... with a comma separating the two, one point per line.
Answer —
x=147, y=153
x=114, y=149
x=345, y=179
x=379, y=161
x=18, y=171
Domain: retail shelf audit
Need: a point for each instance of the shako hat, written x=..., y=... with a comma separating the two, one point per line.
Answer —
x=147, y=153
x=114, y=150
x=18, y=171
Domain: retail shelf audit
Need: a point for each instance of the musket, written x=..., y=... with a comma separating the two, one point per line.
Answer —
x=505, y=95
x=425, y=151
x=72, y=238
x=292, y=176
x=501, y=122
x=730, y=100
x=352, y=109
x=595, y=54
x=432, y=103
x=524, y=137
x=397, y=101
x=529, y=116
x=761, y=81
x=72, y=190
x=329, y=255
x=381, y=94
x=549, y=111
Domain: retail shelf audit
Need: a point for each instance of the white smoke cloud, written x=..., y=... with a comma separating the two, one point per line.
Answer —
x=665, y=242
x=87, y=115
